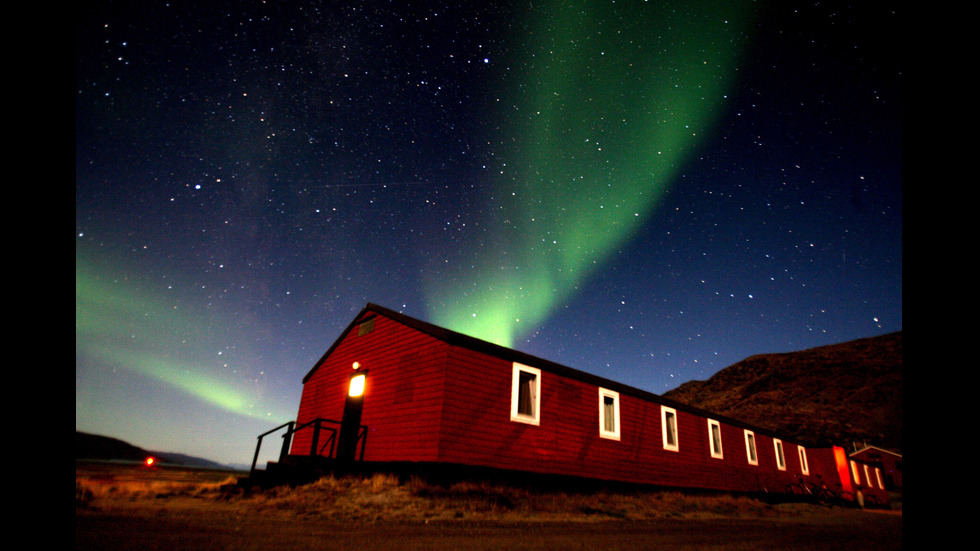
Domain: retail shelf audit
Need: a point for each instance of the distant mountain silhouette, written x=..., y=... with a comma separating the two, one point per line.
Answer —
x=842, y=394
x=96, y=447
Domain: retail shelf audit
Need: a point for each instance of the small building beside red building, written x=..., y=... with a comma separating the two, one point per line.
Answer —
x=889, y=462
x=406, y=392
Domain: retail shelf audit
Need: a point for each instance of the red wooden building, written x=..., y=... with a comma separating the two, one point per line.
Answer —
x=403, y=391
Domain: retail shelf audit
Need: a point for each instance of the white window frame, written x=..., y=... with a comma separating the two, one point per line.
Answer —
x=717, y=449
x=515, y=415
x=676, y=446
x=603, y=432
x=804, y=464
x=751, y=450
x=780, y=454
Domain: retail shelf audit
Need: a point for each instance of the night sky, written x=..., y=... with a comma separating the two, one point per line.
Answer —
x=647, y=191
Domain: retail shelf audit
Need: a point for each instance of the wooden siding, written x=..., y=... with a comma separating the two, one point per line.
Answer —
x=403, y=394
x=477, y=430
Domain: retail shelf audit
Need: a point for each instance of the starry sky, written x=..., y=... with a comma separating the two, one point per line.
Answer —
x=647, y=191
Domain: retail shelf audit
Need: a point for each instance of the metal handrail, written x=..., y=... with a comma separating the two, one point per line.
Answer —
x=362, y=438
x=285, y=445
x=317, y=424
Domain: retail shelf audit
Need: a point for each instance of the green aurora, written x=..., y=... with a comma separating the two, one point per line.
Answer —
x=613, y=105
x=117, y=326
x=617, y=98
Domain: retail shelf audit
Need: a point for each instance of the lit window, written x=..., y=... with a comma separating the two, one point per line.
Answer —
x=750, y=453
x=780, y=458
x=714, y=438
x=525, y=399
x=608, y=414
x=881, y=483
x=668, y=420
x=804, y=467
x=867, y=475
x=855, y=474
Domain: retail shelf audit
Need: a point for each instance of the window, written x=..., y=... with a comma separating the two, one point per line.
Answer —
x=608, y=414
x=881, y=483
x=714, y=438
x=804, y=467
x=668, y=420
x=750, y=448
x=780, y=458
x=855, y=474
x=867, y=475
x=525, y=398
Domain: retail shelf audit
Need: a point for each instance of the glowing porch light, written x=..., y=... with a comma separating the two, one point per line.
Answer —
x=356, y=385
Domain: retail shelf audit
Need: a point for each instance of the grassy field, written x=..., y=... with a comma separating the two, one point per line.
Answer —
x=130, y=506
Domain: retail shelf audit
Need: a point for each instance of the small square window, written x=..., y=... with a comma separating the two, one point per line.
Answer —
x=608, y=414
x=525, y=399
x=668, y=422
x=750, y=452
x=714, y=438
x=804, y=466
x=780, y=458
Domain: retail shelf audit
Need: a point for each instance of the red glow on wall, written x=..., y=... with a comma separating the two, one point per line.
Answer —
x=840, y=457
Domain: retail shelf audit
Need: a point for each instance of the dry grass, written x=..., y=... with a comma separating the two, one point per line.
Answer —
x=384, y=497
x=198, y=510
x=90, y=492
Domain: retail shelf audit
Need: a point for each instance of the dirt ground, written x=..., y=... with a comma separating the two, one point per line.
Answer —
x=160, y=518
x=151, y=532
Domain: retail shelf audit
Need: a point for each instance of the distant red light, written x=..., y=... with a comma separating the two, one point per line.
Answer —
x=150, y=461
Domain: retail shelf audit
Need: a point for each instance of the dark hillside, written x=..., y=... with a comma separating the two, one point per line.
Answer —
x=843, y=393
x=103, y=448
x=93, y=446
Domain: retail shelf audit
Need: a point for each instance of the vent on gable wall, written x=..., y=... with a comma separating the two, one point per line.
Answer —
x=365, y=327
